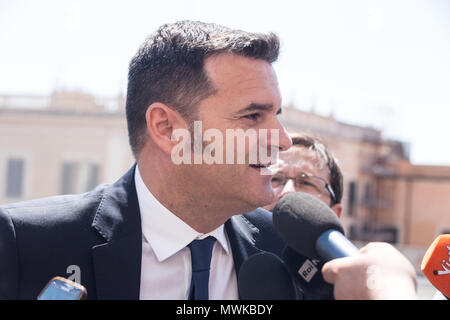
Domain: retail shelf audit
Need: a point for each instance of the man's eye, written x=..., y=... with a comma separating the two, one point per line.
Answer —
x=252, y=116
x=305, y=183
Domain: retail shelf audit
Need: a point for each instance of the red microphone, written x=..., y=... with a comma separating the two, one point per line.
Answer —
x=436, y=264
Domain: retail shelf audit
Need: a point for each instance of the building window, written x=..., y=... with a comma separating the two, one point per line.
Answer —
x=351, y=199
x=14, y=177
x=79, y=177
x=368, y=194
x=353, y=232
x=387, y=234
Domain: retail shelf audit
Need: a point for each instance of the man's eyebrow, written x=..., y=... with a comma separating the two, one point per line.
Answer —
x=258, y=107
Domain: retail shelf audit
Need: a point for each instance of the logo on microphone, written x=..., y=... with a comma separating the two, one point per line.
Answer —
x=445, y=264
x=308, y=269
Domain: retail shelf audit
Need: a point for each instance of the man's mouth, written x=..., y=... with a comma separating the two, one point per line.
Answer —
x=263, y=169
x=260, y=165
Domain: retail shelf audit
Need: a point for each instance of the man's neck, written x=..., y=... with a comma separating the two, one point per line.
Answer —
x=167, y=187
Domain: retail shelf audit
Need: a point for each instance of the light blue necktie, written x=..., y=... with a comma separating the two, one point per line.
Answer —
x=201, y=252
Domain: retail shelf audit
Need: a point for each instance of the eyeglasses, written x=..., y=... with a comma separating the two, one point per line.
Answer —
x=305, y=183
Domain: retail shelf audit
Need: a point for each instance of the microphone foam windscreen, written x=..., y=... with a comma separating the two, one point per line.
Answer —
x=436, y=264
x=300, y=219
x=264, y=276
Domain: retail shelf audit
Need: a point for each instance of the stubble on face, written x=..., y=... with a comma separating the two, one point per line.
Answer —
x=239, y=82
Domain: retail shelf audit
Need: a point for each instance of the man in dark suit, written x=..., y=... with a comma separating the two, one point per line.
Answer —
x=171, y=229
x=100, y=232
x=132, y=239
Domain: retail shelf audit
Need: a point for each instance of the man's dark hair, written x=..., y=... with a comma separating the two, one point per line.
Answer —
x=336, y=178
x=168, y=68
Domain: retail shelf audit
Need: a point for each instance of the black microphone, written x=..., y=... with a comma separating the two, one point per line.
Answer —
x=311, y=228
x=263, y=276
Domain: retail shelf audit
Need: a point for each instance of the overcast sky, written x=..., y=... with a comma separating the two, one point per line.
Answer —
x=380, y=63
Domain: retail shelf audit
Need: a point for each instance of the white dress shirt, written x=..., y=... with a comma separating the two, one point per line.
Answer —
x=166, y=269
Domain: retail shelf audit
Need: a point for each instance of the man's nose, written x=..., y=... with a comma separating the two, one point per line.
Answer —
x=285, y=141
x=289, y=187
x=279, y=139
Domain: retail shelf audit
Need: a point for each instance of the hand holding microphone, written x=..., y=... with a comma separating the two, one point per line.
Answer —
x=377, y=271
x=380, y=272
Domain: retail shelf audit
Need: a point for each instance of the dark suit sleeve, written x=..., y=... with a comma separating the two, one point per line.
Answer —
x=9, y=261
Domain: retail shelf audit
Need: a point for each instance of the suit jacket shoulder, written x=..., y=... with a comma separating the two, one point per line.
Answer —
x=90, y=233
x=9, y=263
x=267, y=237
x=42, y=238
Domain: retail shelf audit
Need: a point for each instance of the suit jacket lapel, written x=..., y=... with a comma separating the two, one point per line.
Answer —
x=117, y=262
x=242, y=235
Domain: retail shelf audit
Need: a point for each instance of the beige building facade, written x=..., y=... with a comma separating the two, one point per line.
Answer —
x=386, y=198
x=59, y=145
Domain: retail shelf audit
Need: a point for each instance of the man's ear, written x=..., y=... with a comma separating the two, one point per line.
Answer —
x=161, y=122
x=337, y=208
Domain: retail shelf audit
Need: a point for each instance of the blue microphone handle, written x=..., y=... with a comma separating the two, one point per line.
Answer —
x=332, y=244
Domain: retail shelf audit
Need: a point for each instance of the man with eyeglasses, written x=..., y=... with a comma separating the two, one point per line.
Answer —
x=308, y=167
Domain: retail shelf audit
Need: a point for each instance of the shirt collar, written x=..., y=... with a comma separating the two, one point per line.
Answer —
x=164, y=231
